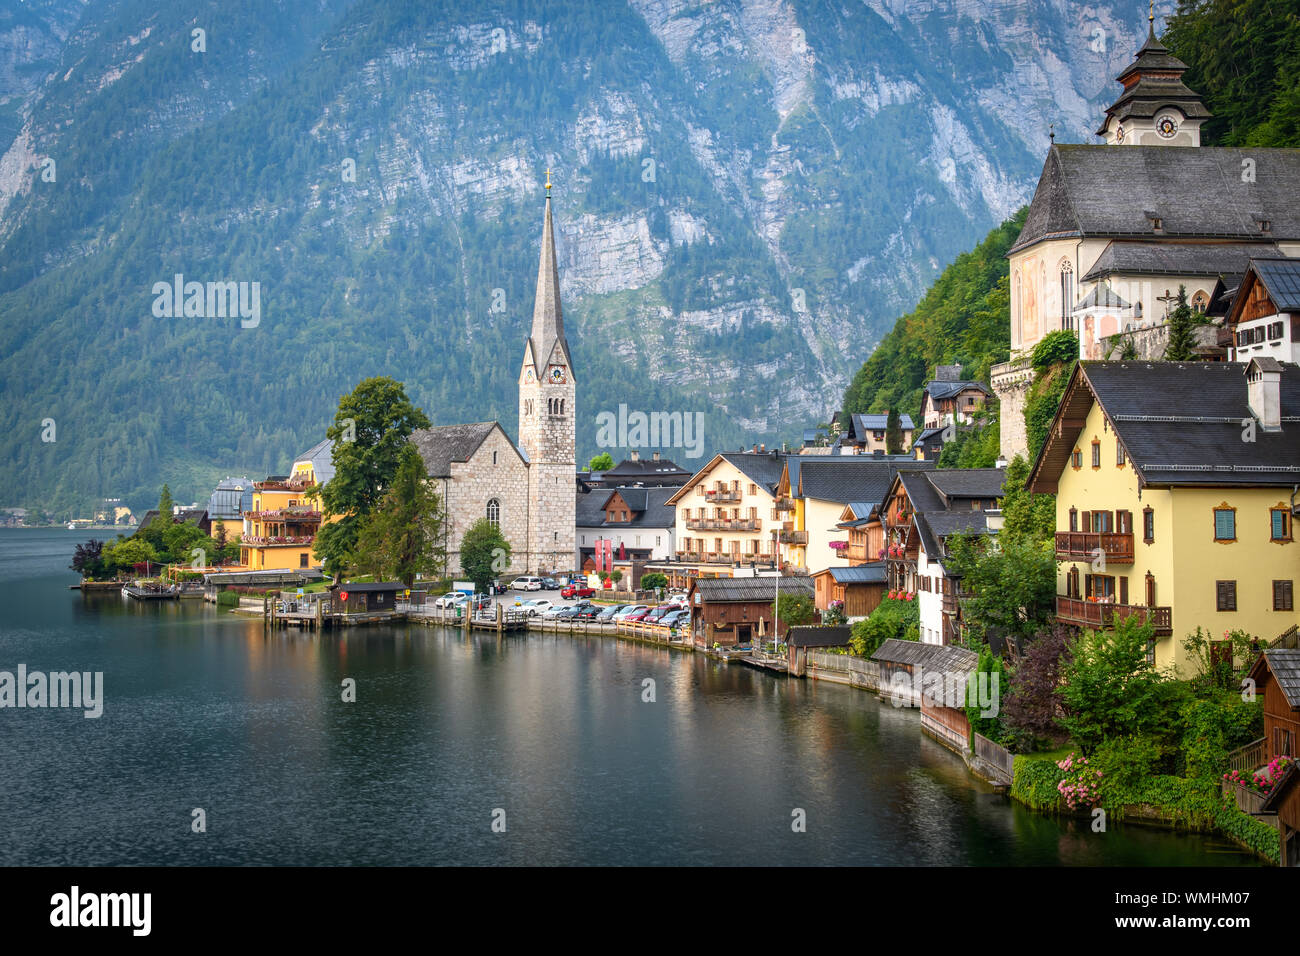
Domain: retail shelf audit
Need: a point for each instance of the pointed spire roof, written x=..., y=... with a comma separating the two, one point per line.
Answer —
x=1153, y=81
x=548, y=317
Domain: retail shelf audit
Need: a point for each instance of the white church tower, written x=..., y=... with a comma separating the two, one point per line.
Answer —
x=547, y=412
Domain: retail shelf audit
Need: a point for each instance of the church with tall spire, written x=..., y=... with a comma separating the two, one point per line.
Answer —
x=526, y=489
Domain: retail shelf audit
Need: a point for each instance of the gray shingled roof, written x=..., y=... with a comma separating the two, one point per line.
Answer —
x=649, y=509
x=853, y=477
x=1281, y=277
x=321, y=456
x=724, y=590
x=1101, y=297
x=873, y=422
x=1181, y=423
x=1099, y=191
x=762, y=468
x=441, y=445
x=1177, y=259
x=645, y=469
x=816, y=636
x=933, y=657
x=1284, y=664
x=873, y=573
x=940, y=390
x=969, y=482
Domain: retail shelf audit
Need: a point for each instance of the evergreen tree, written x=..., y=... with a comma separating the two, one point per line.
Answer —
x=893, y=433
x=1182, y=331
x=165, y=506
x=404, y=536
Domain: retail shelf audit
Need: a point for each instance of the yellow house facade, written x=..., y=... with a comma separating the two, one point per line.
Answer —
x=280, y=529
x=1173, y=503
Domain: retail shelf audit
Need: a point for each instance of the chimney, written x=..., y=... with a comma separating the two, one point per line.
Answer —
x=762, y=447
x=754, y=450
x=1264, y=392
x=634, y=455
x=656, y=456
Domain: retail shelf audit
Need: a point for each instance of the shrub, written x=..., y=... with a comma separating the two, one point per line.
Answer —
x=894, y=617
x=1034, y=783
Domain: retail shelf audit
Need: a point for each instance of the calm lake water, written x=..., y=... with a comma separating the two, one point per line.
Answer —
x=205, y=710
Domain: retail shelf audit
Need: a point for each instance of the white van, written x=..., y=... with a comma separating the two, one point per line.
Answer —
x=526, y=583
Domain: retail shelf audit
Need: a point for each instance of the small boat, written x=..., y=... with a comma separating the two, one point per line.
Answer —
x=149, y=592
x=72, y=526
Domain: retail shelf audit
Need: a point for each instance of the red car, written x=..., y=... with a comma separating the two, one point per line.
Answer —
x=573, y=591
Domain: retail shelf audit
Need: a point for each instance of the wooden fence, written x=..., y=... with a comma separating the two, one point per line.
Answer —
x=843, y=669
x=953, y=738
x=998, y=759
x=1250, y=757
x=1248, y=801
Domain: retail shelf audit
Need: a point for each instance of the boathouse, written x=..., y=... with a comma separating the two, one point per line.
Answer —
x=380, y=596
x=933, y=677
x=860, y=588
x=1277, y=681
x=729, y=611
x=1284, y=800
x=800, y=639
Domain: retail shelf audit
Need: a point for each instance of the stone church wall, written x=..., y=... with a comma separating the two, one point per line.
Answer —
x=474, y=483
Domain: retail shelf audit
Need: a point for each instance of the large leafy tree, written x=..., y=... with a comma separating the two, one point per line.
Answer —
x=484, y=553
x=1012, y=581
x=1110, y=689
x=88, y=559
x=1032, y=707
x=371, y=428
x=403, y=536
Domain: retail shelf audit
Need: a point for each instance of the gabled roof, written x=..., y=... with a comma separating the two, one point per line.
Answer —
x=871, y=422
x=939, y=658
x=649, y=507
x=443, y=444
x=1180, y=422
x=815, y=636
x=321, y=456
x=1280, y=278
x=749, y=590
x=939, y=390
x=1284, y=664
x=848, y=478
x=645, y=470
x=1101, y=297
x=762, y=468
x=1197, y=192
x=1176, y=258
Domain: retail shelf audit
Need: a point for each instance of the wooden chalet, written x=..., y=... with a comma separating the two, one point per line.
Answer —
x=1284, y=800
x=860, y=588
x=1277, y=681
x=729, y=611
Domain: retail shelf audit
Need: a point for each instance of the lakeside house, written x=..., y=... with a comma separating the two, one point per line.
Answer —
x=858, y=589
x=1276, y=674
x=934, y=678
x=280, y=526
x=1264, y=318
x=921, y=511
x=630, y=524
x=730, y=611
x=1175, y=497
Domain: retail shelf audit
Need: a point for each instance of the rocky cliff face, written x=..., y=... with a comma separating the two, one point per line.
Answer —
x=748, y=192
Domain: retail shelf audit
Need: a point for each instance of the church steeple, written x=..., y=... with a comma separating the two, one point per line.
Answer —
x=548, y=317
x=1155, y=107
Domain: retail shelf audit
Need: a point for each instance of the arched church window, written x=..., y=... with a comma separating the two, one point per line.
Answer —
x=1067, y=294
x=494, y=512
x=1200, y=302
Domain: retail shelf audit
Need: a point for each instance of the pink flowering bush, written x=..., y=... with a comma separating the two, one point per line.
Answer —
x=1081, y=786
x=1261, y=781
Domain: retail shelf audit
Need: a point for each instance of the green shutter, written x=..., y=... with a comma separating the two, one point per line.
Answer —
x=1225, y=525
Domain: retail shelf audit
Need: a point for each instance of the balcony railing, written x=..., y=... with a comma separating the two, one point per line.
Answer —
x=305, y=515
x=783, y=504
x=1104, y=615
x=723, y=557
x=722, y=494
x=722, y=524
x=1084, y=545
x=792, y=537
x=278, y=541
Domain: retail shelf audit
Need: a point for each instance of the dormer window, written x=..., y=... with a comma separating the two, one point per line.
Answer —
x=1157, y=223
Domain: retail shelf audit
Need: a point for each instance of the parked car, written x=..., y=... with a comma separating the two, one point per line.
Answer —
x=588, y=612
x=449, y=599
x=526, y=582
x=675, y=618
x=577, y=590
x=482, y=601
x=628, y=611
x=549, y=584
x=534, y=607
x=556, y=611
x=653, y=616
x=607, y=614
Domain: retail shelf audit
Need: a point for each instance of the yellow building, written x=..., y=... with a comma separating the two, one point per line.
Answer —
x=1176, y=488
x=280, y=528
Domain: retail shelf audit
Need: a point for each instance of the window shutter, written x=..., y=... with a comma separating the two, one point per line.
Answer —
x=1224, y=525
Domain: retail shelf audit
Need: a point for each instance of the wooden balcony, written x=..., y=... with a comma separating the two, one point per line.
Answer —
x=1098, y=615
x=1085, y=545
x=792, y=537
x=783, y=504
x=722, y=524
x=278, y=541
x=722, y=494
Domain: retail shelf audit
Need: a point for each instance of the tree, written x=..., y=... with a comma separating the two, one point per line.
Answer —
x=128, y=552
x=1110, y=688
x=1024, y=513
x=163, y=519
x=1211, y=667
x=1182, y=331
x=895, y=618
x=1032, y=707
x=484, y=553
x=88, y=559
x=602, y=462
x=796, y=609
x=1012, y=582
x=654, y=581
x=371, y=428
x=403, y=536
x=893, y=433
